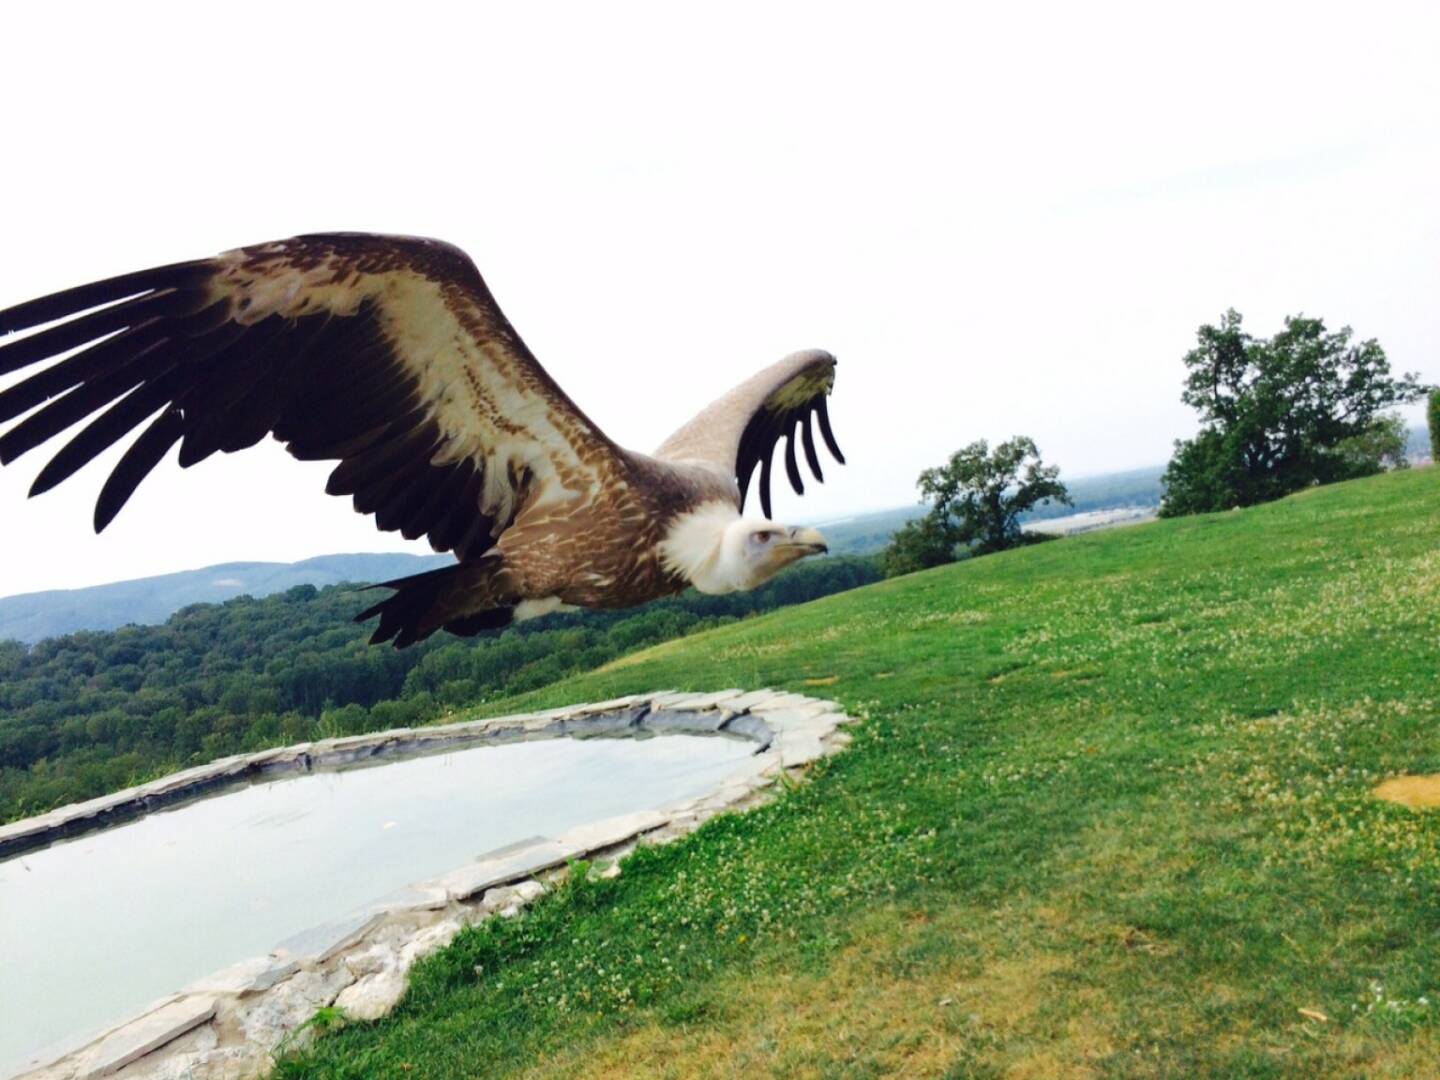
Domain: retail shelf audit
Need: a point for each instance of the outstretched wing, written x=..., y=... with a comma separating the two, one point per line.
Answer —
x=388, y=353
x=742, y=429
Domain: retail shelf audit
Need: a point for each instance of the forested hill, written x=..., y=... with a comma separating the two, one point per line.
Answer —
x=93, y=712
x=32, y=617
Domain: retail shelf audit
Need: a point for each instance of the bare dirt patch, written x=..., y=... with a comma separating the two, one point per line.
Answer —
x=1416, y=792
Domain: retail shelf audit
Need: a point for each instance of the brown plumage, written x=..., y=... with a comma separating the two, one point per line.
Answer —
x=390, y=356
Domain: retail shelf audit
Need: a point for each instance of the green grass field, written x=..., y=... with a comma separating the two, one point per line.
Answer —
x=1108, y=813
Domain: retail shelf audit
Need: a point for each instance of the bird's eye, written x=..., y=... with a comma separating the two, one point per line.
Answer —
x=762, y=538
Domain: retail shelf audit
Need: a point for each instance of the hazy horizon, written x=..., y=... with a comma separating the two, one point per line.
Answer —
x=1000, y=221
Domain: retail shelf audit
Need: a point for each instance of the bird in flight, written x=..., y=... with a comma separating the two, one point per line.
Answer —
x=389, y=354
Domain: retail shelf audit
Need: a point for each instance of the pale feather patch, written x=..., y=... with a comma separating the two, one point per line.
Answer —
x=693, y=547
x=799, y=391
x=487, y=409
x=545, y=605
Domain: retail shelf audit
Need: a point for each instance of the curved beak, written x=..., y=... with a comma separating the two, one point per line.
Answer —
x=807, y=541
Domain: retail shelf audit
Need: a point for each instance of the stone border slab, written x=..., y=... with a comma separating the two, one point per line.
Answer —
x=227, y=1024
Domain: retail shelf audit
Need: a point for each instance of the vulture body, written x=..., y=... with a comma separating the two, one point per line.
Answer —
x=389, y=355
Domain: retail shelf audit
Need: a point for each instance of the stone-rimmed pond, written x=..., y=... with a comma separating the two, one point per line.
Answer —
x=298, y=860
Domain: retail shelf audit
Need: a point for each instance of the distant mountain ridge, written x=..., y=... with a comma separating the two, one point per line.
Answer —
x=32, y=617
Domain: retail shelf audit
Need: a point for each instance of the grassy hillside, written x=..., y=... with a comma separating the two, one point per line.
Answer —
x=1109, y=813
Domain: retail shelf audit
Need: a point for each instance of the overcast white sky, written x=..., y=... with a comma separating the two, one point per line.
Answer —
x=1001, y=218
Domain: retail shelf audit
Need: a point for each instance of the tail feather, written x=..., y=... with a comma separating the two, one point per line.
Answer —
x=465, y=599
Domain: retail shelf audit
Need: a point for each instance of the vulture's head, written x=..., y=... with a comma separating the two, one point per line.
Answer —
x=753, y=551
x=720, y=552
x=758, y=550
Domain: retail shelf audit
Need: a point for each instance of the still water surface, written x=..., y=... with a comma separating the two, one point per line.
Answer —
x=95, y=928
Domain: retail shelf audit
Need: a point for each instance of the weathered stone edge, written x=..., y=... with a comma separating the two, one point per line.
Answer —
x=77, y=818
x=360, y=962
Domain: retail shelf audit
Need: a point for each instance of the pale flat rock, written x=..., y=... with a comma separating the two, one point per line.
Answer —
x=731, y=793
x=792, y=713
x=754, y=699
x=200, y=774
x=796, y=701
x=422, y=897
x=319, y=943
x=469, y=880
x=721, y=700
x=664, y=699
x=290, y=1003
x=373, y=996
x=801, y=720
x=542, y=718
x=368, y=739
x=697, y=702
x=149, y=1032
x=513, y=847
x=749, y=770
x=798, y=748
x=374, y=959
x=429, y=940
x=611, y=831
x=176, y=1060
x=245, y=977
x=242, y=1062
x=279, y=755
x=612, y=705
x=790, y=717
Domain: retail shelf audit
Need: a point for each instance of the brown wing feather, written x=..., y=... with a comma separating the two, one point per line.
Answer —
x=386, y=353
x=742, y=429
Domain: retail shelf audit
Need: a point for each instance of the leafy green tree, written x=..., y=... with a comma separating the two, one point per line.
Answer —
x=1432, y=414
x=976, y=502
x=1384, y=441
x=918, y=545
x=1304, y=407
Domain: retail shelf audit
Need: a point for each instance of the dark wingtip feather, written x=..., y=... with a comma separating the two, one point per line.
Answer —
x=792, y=467
x=807, y=438
x=823, y=413
x=103, y=432
x=765, y=479
x=70, y=302
x=139, y=311
x=142, y=456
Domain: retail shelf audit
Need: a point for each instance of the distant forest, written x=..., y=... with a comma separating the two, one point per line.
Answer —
x=93, y=712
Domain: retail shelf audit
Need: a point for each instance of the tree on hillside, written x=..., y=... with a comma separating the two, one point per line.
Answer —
x=1280, y=414
x=976, y=500
x=1432, y=414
